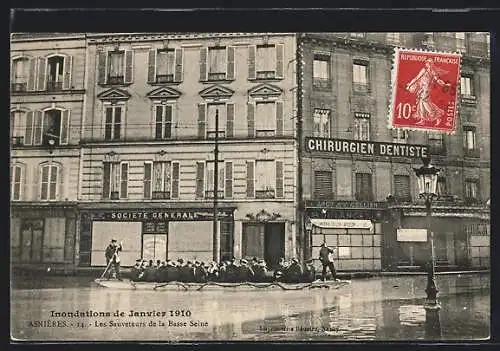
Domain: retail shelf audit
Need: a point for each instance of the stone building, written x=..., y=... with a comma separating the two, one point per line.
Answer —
x=365, y=204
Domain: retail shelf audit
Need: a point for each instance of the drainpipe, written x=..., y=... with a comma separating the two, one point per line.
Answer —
x=300, y=197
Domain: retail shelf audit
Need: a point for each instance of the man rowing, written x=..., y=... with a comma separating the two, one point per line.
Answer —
x=113, y=260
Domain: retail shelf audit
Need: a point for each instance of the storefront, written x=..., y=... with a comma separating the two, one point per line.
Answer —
x=154, y=234
x=43, y=234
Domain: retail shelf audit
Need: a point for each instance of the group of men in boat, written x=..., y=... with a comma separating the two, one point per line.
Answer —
x=233, y=271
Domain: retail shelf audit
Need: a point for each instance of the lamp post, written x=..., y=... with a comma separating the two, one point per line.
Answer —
x=427, y=183
x=216, y=249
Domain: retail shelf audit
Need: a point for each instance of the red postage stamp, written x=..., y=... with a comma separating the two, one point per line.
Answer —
x=424, y=90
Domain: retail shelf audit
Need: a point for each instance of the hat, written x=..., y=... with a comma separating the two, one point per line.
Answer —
x=113, y=240
x=295, y=260
x=254, y=259
x=189, y=262
x=180, y=260
x=243, y=261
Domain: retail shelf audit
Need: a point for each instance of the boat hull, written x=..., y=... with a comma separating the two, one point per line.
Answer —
x=245, y=286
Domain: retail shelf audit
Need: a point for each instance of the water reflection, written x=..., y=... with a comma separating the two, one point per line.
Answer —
x=370, y=309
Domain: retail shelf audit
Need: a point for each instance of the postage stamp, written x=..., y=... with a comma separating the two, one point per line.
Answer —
x=424, y=90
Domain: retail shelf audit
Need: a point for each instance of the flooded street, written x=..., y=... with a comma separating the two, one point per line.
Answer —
x=381, y=308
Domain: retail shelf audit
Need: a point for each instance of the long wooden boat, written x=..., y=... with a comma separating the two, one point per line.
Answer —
x=245, y=286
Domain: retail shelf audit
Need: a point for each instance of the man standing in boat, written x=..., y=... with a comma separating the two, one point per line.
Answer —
x=326, y=258
x=112, y=259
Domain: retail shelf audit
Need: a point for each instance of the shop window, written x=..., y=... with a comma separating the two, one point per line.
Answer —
x=20, y=74
x=361, y=126
x=402, y=188
x=163, y=122
x=115, y=181
x=323, y=185
x=161, y=180
x=32, y=233
x=360, y=76
x=266, y=62
x=55, y=73
x=321, y=121
x=321, y=72
x=50, y=175
x=113, y=122
x=17, y=180
x=364, y=189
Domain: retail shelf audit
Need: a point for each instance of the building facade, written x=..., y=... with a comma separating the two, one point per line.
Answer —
x=148, y=141
x=365, y=204
x=47, y=102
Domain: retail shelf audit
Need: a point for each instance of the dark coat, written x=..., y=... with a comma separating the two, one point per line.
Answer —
x=244, y=274
x=110, y=252
x=186, y=274
x=293, y=273
x=172, y=273
x=134, y=273
x=309, y=274
x=324, y=254
x=200, y=274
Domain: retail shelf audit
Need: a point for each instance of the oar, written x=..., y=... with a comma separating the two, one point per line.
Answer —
x=109, y=264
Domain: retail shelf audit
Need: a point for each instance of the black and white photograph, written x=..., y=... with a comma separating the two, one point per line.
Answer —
x=250, y=186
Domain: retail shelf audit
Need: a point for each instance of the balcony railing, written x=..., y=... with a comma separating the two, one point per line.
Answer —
x=468, y=99
x=18, y=87
x=116, y=79
x=209, y=194
x=473, y=153
x=54, y=86
x=164, y=78
x=472, y=201
x=17, y=141
x=211, y=134
x=160, y=195
x=264, y=133
x=322, y=83
x=265, y=74
x=217, y=76
x=264, y=194
x=360, y=87
x=114, y=195
x=363, y=196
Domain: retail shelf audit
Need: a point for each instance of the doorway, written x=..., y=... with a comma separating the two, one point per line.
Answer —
x=274, y=243
x=154, y=241
x=32, y=240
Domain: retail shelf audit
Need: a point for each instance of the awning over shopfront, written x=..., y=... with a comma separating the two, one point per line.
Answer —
x=342, y=223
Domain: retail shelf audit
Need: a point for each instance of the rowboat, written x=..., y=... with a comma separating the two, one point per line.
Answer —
x=244, y=286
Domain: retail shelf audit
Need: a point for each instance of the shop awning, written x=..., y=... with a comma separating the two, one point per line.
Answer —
x=342, y=223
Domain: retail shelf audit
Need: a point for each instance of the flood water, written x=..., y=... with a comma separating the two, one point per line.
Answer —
x=381, y=308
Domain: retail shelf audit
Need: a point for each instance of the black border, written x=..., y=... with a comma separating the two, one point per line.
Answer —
x=381, y=18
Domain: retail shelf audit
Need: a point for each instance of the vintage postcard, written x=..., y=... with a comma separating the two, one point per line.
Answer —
x=248, y=186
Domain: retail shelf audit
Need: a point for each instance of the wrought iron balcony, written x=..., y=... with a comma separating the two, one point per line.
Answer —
x=18, y=87
x=322, y=83
x=209, y=194
x=265, y=193
x=116, y=79
x=160, y=195
x=54, y=86
x=164, y=78
x=468, y=99
x=265, y=74
x=17, y=141
x=114, y=195
x=361, y=87
x=217, y=76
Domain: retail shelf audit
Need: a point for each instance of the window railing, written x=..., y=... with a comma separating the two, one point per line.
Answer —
x=471, y=201
x=322, y=83
x=159, y=195
x=116, y=79
x=209, y=194
x=363, y=196
x=114, y=195
x=264, y=133
x=360, y=87
x=19, y=87
x=474, y=153
x=17, y=141
x=220, y=135
x=54, y=86
x=468, y=99
x=217, y=76
x=268, y=193
x=265, y=74
x=164, y=78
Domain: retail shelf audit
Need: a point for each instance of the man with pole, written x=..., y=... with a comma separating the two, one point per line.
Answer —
x=113, y=260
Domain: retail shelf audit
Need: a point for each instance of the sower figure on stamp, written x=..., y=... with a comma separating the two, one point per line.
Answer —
x=326, y=258
x=113, y=259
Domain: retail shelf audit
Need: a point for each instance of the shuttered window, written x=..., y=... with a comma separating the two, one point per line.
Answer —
x=16, y=182
x=49, y=180
x=229, y=179
x=364, y=190
x=279, y=179
x=200, y=176
x=250, y=179
x=115, y=180
x=402, y=187
x=112, y=122
x=115, y=67
x=163, y=121
x=323, y=187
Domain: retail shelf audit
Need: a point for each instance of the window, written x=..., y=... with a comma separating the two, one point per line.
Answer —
x=265, y=179
x=266, y=62
x=16, y=182
x=265, y=124
x=55, y=73
x=18, y=127
x=402, y=187
x=466, y=86
x=20, y=74
x=364, y=190
x=165, y=66
x=471, y=188
x=51, y=126
x=321, y=72
x=361, y=126
x=49, y=180
x=163, y=122
x=160, y=179
x=460, y=38
x=399, y=136
x=217, y=63
x=116, y=72
x=393, y=38
x=323, y=187
x=469, y=138
x=211, y=111
x=321, y=120
x=209, y=180
x=436, y=144
x=441, y=187
x=360, y=76
x=115, y=181
x=113, y=122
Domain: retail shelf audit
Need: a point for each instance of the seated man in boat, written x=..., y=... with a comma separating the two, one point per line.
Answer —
x=223, y=271
x=186, y=273
x=135, y=271
x=150, y=273
x=112, y=259
x=244, y=272
x=212, y=272
x=309, y=274
x=280, y=270
x=172, y=271
x=161, y=272
x=293, y=273
x=231, y=275
x=200, y=274
x=261, y=274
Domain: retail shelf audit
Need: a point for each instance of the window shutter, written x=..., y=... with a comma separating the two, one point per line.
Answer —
x=175, y=180
x=42, y=68
x=28, y=136
x=64, y=135
x=129, y=66
x=279, y=179
x=251, y=120
x=124, y=181
x=101, y=67
x=200, y=173
x=250, y=179
x=158, y=121
x=229, y=179
x=152, y=66
x=402, y=186
x=32, y=74
x=230, y=63
x=203, y=64
x=178, y=65
x=230, y=120
x=280, y=48
x=323, y=189
x=68, y=63
x=252, y=49
x=201, y=121
x=38, y=130
x=279, y=118
x=106, y=177
x=59, y=181
x=147, y=180
x=168, y=121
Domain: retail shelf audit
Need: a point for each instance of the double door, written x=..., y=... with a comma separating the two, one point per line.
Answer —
x=32, y=240
x=154, y=241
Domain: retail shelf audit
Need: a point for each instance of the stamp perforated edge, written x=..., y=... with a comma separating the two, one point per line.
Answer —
x=392, y=90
